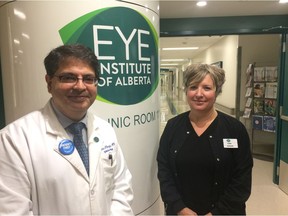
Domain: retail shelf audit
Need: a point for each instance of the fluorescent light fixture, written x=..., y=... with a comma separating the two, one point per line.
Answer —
x=283, y=1
x=19, y=14
x=173, y=60
x=174, y=64
x=201, y=3
x=16, y=41
x=25, y=35
x=180, y=48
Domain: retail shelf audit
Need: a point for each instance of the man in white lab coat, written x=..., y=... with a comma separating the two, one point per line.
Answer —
x=41, y=171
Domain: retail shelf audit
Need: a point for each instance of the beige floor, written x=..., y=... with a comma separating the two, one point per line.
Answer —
x=266, y=197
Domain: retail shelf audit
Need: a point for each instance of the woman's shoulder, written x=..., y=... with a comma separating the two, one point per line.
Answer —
x=179, y=118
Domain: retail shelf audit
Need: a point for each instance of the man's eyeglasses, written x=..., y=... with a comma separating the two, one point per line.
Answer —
x=73, y=79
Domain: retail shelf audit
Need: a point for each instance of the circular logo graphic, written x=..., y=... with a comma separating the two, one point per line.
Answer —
x=126, y=45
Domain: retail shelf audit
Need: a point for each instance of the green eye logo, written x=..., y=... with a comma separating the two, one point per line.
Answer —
x=126, y=44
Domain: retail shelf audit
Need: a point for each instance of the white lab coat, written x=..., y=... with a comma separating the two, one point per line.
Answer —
x=35, y=178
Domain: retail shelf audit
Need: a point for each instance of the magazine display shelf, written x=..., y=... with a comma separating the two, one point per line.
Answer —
x=260, y=107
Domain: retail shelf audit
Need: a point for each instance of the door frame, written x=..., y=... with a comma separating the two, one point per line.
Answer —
x=280, y=173
x=210, y=26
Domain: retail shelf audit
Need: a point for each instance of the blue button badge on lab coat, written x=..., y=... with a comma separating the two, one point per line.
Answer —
x=66, y=147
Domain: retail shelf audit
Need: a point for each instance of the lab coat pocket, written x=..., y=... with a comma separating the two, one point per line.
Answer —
x=108, y=161
x=109, y=164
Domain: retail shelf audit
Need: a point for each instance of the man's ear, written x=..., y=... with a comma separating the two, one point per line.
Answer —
x=49, y=82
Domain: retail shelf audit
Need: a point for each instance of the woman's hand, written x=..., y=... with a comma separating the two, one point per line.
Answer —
x=187, y=211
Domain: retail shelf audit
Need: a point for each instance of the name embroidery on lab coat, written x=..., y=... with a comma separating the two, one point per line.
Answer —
x=66, y=147
x=108, y=148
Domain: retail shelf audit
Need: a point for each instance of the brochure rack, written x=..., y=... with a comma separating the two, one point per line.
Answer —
x=260, y=107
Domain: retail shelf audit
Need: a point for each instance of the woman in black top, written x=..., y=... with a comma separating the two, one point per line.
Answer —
x=204, y=158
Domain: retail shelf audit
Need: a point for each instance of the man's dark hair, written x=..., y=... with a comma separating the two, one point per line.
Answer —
x=77, y=52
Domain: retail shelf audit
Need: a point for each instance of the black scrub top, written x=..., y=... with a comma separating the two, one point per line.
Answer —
x=196, y=169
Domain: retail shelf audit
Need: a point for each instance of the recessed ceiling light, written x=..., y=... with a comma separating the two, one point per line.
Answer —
x=201, y=3
x=180, y=48
x=283, y=1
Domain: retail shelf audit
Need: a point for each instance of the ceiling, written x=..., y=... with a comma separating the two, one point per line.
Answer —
x=214, y=8
x=188, y=9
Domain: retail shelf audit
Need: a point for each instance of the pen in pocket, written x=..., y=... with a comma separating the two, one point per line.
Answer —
x=110, y=157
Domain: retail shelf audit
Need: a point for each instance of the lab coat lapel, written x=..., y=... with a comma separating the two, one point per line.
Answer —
x=74, y=159
x=54, y=128
x=95, y=141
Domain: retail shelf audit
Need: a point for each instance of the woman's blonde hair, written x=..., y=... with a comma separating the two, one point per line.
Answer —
x=195, y=73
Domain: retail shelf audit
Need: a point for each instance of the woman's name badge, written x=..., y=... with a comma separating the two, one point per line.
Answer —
x=66, y=147
x=230, y=143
